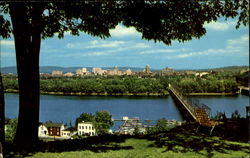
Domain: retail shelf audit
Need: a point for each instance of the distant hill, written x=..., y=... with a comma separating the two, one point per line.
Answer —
x=231, y=68
x=49, y=69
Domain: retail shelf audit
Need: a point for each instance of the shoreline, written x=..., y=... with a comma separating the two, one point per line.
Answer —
x=124, y=94
x=212, y=94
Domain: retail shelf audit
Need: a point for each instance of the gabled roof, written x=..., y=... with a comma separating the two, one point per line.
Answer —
x=86, y=123
x=52, y=124
x=71, y=129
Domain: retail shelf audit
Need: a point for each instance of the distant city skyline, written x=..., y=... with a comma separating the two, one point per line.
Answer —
x=223, y=45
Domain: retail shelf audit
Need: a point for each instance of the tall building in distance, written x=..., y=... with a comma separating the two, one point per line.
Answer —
x=147, y=70
x=82, y=71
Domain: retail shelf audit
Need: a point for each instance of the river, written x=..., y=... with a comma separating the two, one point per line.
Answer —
x=67, y=108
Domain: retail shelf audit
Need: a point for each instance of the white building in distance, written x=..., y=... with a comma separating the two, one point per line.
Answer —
x=57, y=73
x=97, y=71
x=86, y=128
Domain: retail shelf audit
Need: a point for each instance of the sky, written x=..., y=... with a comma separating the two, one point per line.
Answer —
x=223, y=45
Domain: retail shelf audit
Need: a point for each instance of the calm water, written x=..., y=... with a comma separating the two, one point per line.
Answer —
x=68, y=108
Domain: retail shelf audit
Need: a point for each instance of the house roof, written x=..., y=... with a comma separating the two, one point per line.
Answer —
x=71, y=129
x=52, y=124
x=85, y=123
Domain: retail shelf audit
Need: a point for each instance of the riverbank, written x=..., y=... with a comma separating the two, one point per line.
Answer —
x=94, y=94
x=124, y=94
x=212, y=94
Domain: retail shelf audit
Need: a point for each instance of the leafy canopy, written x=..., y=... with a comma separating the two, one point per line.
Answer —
x=102, y=121
x=164, y=20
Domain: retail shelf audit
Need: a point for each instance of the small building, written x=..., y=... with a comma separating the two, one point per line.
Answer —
x=50, y=129
x=97, y=71
x=79, y=72
x=128, y=72
x=86, y=128
x=201, y=74
x=68, y=74
x=69, y=132
x=57, y=73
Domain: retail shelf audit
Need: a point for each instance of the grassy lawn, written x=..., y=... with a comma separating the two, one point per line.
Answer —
x=142, y=148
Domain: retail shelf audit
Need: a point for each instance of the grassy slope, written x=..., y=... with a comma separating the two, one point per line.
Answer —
x=141, y=148
x=144, y=148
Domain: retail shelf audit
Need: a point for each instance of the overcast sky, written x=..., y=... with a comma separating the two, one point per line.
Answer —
x=223, y=45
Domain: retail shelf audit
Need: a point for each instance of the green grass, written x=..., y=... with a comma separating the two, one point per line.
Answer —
x=143, y=148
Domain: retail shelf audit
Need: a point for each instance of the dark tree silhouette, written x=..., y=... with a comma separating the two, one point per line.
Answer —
x=2, y=115
x=164, y=20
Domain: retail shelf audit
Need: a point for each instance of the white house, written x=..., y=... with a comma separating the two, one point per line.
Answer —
x=86, y=128
x=69, y=132
x=42, y=131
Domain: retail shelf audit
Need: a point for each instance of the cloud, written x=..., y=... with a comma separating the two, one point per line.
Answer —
x=157, y=51
x=243, y=40
x=237, y=45
x=95, y=54
x=122, y=31
x=206, y=52
x=218, y=26
x=105, y=44
x=5, y=42
x=95, y=44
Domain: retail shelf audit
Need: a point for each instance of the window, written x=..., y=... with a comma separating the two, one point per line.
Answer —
x=86, y=127
x=89, y=128
x=93, y=133
x=92, y=128
x=82, y=127
x=79, y=127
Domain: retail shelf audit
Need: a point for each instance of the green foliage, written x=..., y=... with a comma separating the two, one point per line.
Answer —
x=11, y=125
x=105, y=85
x=103, y=122
x=208, y=84
x=132, y=85
x=84, y=117
x=160, y=126
x=169, y=18
x=136, y=131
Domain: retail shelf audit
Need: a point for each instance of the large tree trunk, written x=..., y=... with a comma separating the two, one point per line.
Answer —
x=26, y=22
x=2, y=114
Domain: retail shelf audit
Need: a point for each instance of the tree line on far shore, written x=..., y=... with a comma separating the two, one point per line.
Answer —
x=131, y=84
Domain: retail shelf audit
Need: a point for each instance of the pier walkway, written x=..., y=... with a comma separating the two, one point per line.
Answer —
x=192, y=110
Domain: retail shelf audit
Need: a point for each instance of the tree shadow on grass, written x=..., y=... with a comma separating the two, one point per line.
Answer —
x=185, y=139
x=95, y=144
